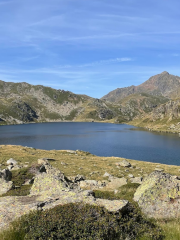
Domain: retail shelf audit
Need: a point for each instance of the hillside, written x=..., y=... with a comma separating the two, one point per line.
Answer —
x=155, y=104
x=23, y=103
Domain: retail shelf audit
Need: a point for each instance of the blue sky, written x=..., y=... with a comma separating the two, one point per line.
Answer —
x=88, y=46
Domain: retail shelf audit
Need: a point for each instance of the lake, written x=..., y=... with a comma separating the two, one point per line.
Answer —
x=102, y=139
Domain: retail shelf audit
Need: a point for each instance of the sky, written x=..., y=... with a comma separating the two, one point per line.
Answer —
x=88, y=46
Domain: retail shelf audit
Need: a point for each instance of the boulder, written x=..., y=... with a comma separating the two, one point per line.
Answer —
x=11, y=161
x=5, y=186
x=159, y=195
x=52, y=188
x=43, y=161
x=5, y=183
x=50, y=181
x=123, y=163
x=116, y=183
x=130, y=175
x=112, y=205
x=107, y=175
x=6, y=175
x=136, y=180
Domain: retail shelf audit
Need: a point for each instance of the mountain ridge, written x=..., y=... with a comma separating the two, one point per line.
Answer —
x=156, y=100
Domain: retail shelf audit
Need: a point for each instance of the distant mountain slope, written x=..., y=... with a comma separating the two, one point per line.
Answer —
x=163, y=84
x=166, y=117
x=23, y=103
x=154, y=104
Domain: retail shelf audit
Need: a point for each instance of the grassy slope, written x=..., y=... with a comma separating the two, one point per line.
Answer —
x=86, y=163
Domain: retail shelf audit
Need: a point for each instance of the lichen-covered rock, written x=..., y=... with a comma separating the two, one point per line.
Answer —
x=159, y=195
x=51, y=188
x=50, y=182
x=5, y=186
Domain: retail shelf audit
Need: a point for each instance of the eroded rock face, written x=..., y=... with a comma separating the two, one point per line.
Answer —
x=159, y=195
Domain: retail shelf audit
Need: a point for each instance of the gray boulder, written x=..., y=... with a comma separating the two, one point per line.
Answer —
x=136, y=180
x=123, y=163
x=159, y=195
x=5, y=183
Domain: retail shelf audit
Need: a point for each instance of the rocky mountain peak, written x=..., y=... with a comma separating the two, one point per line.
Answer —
x=164, y=73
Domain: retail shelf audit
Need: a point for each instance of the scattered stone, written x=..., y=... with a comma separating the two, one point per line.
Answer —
x=116, y=183
x=70, y=151
x=63, y=163
x=123, y=163
x=25, y=166
x=11, y=161
x=89, y=184
x=159, y=195
x=115, y=191
x=130, y=175
x=136, y=180
x=107, y=175
x=42, y=161
x=78, y=178
x=159, y=169
x=126, y=170
x=95, y=172
x=112, y=205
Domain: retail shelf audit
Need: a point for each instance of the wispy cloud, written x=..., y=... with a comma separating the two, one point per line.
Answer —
x=98, y=44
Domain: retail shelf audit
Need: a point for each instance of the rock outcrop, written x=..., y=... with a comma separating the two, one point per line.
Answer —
x=52, y=188
x=159, y=195
x=5, y=181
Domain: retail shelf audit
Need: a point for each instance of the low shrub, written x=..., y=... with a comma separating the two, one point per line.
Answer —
x=80, y=222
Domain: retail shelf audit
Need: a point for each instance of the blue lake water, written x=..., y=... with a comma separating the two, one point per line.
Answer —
x=102, y=139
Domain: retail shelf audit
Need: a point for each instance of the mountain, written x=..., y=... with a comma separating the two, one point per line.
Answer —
x=154, y=104
x=23, y=103
x=163, y=84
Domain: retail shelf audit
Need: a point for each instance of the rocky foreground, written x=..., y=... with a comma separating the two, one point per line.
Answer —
x=158, y=194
